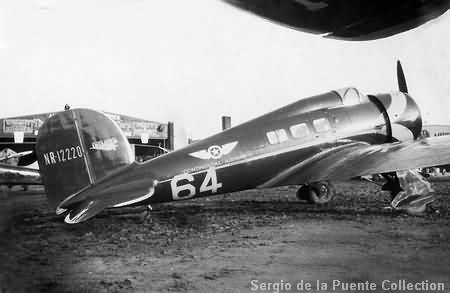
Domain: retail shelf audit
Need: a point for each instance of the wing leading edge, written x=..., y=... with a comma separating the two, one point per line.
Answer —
x=358, y=159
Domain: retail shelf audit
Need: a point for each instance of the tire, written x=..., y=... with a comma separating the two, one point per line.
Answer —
x=320, y=193
x=303, y=193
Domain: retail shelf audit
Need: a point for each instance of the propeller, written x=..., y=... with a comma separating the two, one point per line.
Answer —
x=402, y=86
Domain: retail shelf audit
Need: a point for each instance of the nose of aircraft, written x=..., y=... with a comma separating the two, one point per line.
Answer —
x=412, y=117
x=404, y=115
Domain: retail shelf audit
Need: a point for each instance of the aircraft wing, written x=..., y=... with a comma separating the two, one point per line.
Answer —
x=358, y=159
x=15, y=155
x=16, y=175
x=346, y=19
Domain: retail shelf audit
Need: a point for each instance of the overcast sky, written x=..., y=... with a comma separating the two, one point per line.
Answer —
x=193, y=61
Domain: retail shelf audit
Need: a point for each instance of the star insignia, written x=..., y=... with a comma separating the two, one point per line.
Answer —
x=215, y=151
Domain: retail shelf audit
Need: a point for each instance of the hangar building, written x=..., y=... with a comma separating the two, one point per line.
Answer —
x=147, y=138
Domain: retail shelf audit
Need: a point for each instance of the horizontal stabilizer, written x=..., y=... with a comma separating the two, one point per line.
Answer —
x=83, y=211
x=118, y=190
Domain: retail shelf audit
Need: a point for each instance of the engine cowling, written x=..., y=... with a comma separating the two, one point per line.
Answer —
x=403, y=115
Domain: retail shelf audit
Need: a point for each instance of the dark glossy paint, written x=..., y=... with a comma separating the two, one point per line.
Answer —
x=357, y=140
x=347, y=19
x=91, y=152
x=255, y=161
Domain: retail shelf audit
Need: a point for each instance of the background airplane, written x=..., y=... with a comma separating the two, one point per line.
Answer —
x=87, y=165
x=355, y=20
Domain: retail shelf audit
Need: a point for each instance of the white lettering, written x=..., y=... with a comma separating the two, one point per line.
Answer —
x=353, y=286
x=79, y=151
x=336, y=284
x=274, y=287
x=63, y=155
x=176, y=190
x=52, y=158
x=209, y=184
x=211, y=177
x=254, y=285
x=46, y=159
x=74, y=154
x=305, y=286
x=61, y=152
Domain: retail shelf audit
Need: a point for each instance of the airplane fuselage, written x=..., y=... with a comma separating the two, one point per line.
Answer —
x=87, y=164
x=252, y=154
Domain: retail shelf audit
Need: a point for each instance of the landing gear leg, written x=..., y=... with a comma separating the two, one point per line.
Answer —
x=392, y=185
x=416, y=193
x=317, y=193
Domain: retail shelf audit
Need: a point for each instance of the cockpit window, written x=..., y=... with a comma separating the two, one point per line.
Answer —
x=321, y=125
x=350, y=96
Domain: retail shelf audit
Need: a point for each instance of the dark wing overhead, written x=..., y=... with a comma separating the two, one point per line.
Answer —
x=347, y=19
x=358, y=159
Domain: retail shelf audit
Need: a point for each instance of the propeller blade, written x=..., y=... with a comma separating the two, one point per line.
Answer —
x=402, y=86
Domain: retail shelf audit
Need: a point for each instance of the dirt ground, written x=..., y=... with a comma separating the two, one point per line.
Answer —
x=222, y=243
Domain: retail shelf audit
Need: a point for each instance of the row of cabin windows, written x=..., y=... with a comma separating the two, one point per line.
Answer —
x=298, y=131
x=442, y=133
x=277, y=136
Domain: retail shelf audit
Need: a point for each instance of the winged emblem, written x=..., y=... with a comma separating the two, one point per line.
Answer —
x=110, y=144
x=215, y=151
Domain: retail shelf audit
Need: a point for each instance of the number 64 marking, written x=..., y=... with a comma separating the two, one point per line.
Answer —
x=209, y=184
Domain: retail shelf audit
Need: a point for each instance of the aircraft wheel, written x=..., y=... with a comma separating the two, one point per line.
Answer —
x=303, y=192
x=320, y=192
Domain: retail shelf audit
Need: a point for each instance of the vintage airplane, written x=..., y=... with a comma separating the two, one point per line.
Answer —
x=347, y=19
x=12, y=174
x=86, y=162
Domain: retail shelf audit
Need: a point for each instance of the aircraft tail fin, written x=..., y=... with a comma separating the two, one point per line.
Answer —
x=78, y=152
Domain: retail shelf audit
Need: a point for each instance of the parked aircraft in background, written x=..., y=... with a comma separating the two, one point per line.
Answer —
x=87, y=165
x=10, y=155
x=356, y=20
x=433, y=130
x=10, y=175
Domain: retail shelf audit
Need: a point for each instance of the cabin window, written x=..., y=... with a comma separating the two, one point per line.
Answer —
x=277, y=136
x=282, y=136
x=272, y=136
x=321, y=125
x=299, y=130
